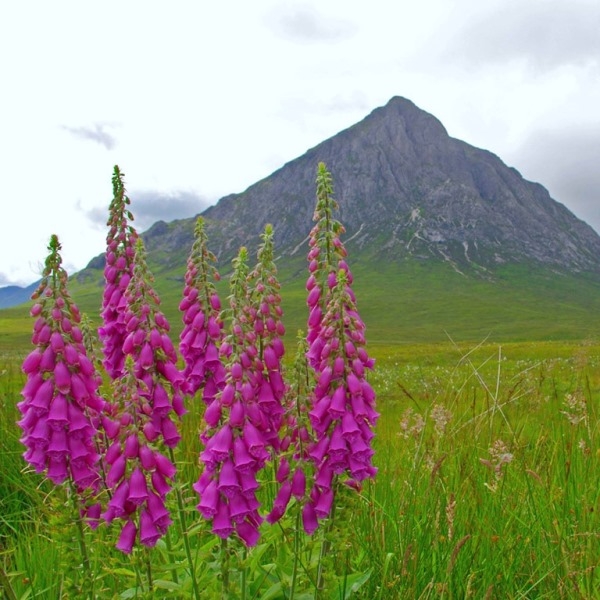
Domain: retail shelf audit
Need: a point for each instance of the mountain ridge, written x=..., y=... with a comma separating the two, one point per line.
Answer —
x=406, y=189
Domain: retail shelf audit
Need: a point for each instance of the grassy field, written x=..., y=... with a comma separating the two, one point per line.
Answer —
x=487, y=448
x=410, y=302
x=488, y=487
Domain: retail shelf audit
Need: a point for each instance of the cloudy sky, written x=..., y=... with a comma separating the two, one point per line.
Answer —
x=195, y=100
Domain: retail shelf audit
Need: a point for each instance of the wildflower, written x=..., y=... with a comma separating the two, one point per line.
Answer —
x=441, y=416
x=236, y=447
x=295, y=441
x=343, y=402
x=500, y=457
x=412, y=424
x=61, y=403
x=268, y=329
x=576, y=408
x=147, y=394
x=118, y=270
x=202, y=333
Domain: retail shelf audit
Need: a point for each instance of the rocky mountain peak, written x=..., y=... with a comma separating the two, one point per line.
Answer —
x=406, y=190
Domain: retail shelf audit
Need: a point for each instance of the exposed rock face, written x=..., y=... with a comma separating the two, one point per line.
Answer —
x=405, y=189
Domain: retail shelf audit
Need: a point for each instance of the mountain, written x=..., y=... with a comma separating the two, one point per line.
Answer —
x=443, y=238
x=11, y=295
x=406, y=189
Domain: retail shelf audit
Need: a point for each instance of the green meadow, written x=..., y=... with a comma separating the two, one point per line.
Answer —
x=488, y=449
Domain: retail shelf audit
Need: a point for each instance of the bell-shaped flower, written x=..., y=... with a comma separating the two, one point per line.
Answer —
x=127, y=537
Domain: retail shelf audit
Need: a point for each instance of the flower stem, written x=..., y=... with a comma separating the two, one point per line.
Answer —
x=149, y=570
x=296, y=552
x=244, y=555
x=224, y=569
x=88, y=576
x=184, y=533
x=171, y=556
x=325, y=548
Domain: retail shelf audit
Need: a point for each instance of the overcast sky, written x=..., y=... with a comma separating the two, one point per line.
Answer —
x=195, y=100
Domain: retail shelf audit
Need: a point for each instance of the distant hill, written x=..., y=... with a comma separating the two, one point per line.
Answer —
x=12, y=295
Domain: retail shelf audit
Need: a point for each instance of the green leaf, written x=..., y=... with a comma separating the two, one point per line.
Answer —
x=353, y=583
x=167, y=585
x=122, y=571
x=273, y=592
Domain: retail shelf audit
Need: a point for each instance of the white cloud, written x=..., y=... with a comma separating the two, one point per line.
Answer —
x=305, y=24
x=97, y=133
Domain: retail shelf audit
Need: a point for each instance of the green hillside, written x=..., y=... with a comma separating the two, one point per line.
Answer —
x=402, y=303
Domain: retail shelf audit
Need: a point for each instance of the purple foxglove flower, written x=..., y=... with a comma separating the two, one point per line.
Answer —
x=170, y=433
x=92, y=515
x=319, y=412
x=32, y=362
x=324, y=503
x=222, y=525
x=78, y=450
x=237, y=415
x=238, y=508
x=138, y=489
x=242, y=460
x=158, y=512
x=209, y=500
x=283, y=470
x=281, y=501
x=149, y=533
x=147, y=457
x=127, y=537
x=161, y=405
x=255, y=441
x=271, y=359
x=132, y=446
x=52, y=409
x=309, y=518
x=117, y=471
x=41, y=401
x=228, y=479
x=227, y=395
x=324, y=476
x=58, y=416
x=342, y=412
x=164, y=466
x=248, y=533
x=111, y=428
x=318, y=451
x=338, y=448
x=212, y=415
x=160, y=484
x=116, y=505
x=337, y=408
x=221, y=444
x=248, y=483
x=83, y=476
x=353, y=384
x=57, y=469
x=350, y=429
x=150, y=431
x=299, y=484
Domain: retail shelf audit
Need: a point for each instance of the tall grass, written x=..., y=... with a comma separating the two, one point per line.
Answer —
x=488, y=487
